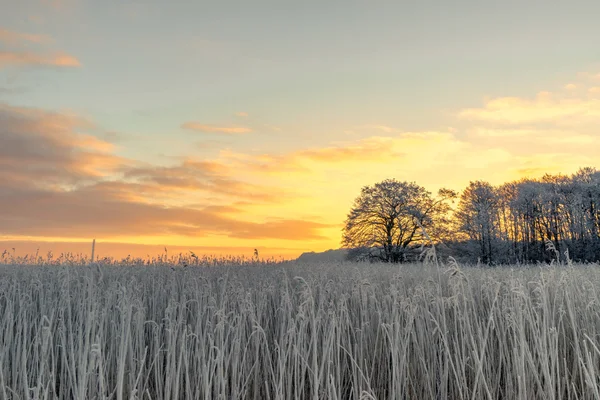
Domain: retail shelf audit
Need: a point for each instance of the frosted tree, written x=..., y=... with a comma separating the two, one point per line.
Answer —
x=477, y=217
x=390, y=216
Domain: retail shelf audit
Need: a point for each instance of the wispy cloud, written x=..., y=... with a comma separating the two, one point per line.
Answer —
x=381, y=128
x=562, y=107
x=241, y=114
x=373, y=148
x=550, y=132
x=74, y=185
x=39, y=148
x=26, y=58
x=199, y=127
x=20, y=53
x=91, y=212
x=56, y=169
x=370, y=152
x=209, y=177
x=543, y=108
x=14, y=39
x=49, y=150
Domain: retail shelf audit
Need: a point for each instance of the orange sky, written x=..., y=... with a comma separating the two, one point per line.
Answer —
x=140, y=125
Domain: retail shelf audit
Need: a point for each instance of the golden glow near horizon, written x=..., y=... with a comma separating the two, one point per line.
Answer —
x=222, y=139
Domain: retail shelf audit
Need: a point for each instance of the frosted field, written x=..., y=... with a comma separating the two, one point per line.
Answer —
x=327, y=331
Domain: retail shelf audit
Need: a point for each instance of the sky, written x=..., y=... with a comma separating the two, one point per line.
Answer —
x=225, y=126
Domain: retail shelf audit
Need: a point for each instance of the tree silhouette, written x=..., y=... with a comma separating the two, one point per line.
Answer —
x=388, y=217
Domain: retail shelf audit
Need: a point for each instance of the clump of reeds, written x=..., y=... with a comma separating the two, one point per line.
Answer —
x=290, y=331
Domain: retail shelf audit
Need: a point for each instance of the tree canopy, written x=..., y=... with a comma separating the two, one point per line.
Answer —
x=556, y=217
x=390, y=216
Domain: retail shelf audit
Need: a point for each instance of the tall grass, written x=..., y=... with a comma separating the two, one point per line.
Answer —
x=335, y=331
x=163, y=260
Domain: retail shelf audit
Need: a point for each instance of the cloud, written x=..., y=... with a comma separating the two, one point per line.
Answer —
x=525, y=142
x=543, y=108
x=546, y=107
x=540, y=131
x=371, y=149
x=374, y=149
x=434, y=159
x=48, y=150
x=382, y=128
x=57, y=179
x=196, y=126
x=553, y=136
x=61, y=177
x=22, y=56
x=550, y=132
x=209, y=177
x=43, y=149
x=95, y=212
x=27, y=58
x=368, y=153
x=586, y=77
x=14, y=39
x=241, y=114
x=275, y=164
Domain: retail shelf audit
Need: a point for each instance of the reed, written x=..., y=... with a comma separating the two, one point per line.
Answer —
x=253, y=330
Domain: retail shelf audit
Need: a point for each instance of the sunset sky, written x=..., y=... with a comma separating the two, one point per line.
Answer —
x=225, y=126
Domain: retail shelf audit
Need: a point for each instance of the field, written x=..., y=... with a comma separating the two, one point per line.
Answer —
x=293, y=331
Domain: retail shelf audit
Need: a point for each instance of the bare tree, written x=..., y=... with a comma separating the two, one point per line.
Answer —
x=388, y=217
x=513, y=222
x=477, y=216
x=516, y=221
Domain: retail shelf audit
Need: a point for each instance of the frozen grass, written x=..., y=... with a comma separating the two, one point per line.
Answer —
x=337, y=331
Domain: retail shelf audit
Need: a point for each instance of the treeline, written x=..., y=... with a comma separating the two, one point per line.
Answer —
x=555, y=217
